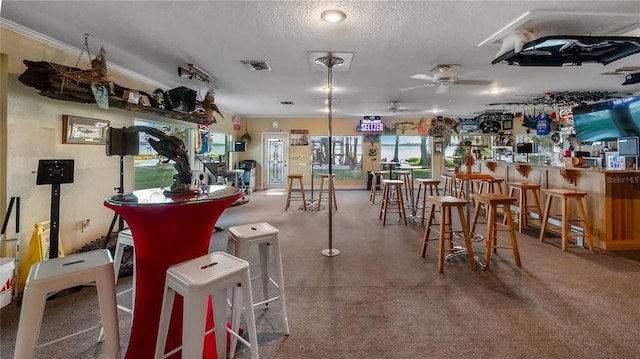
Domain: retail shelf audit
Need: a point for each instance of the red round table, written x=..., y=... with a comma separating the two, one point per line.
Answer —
x=166, y=230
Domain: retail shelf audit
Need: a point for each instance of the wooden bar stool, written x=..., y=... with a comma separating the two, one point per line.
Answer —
x=460, y=190
x=492, y=201
x=425, y=183
x=446, y=229
x=331, y=191
x=449, y=188
x=290, y=190
x=491, y=185
x=391, y=188
x=375, y=181
x=522, y=208
x=405, y=177
x=565, y=221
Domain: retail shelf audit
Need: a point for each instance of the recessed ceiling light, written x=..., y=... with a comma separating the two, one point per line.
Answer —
x=333, y=16
x=495, y=90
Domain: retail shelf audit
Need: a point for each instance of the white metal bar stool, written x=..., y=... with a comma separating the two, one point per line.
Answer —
x=57, y=274
x=125, y=238
x=241, y=238
x=196, y=280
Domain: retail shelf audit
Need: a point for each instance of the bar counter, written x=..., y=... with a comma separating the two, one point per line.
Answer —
x=612, y=202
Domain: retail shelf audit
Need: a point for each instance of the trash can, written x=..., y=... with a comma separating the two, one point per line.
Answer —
x=247, y=166
x=249, y=176
x=370, y=181
x=7, y=265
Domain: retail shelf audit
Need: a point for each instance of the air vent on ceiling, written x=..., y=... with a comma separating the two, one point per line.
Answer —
x=286, y=102
x=256, y=65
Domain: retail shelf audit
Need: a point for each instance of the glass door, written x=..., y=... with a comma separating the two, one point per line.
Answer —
x=275, y=156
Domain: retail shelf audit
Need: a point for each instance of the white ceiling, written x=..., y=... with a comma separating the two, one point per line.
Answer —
x=389, y=41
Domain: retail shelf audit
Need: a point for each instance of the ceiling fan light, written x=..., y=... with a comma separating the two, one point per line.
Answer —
x=333, y=16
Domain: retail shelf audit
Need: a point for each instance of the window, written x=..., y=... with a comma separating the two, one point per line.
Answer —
x=346, y=162
x=408, y=150
x=150, y=169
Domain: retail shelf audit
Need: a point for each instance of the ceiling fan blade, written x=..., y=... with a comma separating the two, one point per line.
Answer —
x=416, y=87
x=423, y=77
x=474, y=82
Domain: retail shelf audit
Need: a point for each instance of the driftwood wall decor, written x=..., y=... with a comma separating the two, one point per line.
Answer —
x=73, y=84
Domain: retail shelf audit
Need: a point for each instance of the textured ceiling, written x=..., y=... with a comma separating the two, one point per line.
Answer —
x=390, y=41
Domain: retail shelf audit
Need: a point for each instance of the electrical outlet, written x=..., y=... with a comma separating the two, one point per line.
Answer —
x=86, y=224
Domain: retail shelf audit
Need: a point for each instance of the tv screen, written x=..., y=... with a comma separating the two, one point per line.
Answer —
x=607, y=121
x=54, y=172
x=628, y=146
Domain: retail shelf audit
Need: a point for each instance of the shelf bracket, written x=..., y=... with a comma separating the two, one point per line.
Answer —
x=523, y=170
x=569, y=176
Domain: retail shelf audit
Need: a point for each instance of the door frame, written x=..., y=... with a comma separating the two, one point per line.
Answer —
x=265, y=172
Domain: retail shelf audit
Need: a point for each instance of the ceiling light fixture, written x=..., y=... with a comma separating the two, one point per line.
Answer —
x=193, y=72
x=329, y=62
x=333, y=16
x=494, y=90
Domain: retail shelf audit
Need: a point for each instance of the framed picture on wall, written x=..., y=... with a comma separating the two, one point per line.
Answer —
x=507, y=124
x=84, y=131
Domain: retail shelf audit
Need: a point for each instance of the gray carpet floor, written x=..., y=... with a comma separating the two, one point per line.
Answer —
x=379, y=299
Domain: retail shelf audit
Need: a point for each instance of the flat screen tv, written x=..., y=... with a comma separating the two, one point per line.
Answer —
x=607, y=121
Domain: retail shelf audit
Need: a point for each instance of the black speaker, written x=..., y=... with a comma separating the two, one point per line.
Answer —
x=238, y=146
x=122, y=143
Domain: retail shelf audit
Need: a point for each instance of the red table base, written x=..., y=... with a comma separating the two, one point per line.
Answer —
x=165, y=235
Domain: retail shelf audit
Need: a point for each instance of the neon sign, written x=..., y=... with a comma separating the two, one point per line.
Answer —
x=370, y=124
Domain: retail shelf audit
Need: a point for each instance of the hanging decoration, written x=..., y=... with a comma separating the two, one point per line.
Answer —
x=246, y=136
x=202, y=140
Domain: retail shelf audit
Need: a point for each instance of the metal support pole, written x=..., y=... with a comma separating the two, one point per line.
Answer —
x=330, y=62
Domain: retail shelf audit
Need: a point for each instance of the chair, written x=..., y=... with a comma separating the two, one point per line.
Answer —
x=446, y=229
x=492, y=201
x=375, y=182
x=57, y=274
x=423, y=185
x=452, y=186
x=125, y=239
x=405, y=177
x=491, y=185
x=292, y=190
x=566, y=195
x=391, y=189
x=241, y=238
x=196, y=280
x=331, y=191
x=522, y=208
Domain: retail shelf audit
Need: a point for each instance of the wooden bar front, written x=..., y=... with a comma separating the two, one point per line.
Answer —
x=613, y=196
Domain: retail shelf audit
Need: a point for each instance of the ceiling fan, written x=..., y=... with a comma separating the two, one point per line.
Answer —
x=394, y=107
x=444, y=75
